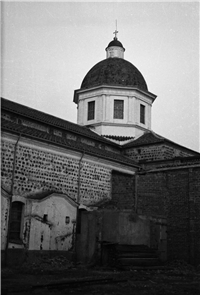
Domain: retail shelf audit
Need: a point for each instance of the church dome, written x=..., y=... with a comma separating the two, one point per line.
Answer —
x=114, y=72
x=115, y=42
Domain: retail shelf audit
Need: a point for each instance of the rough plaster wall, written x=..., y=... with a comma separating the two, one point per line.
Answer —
x=39, y=171
x=26, y=231
x=155, y=152
x=55, y=233
x=39, y=235
x=4, y=220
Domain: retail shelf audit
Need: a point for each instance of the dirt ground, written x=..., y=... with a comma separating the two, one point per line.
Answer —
x=177, y=278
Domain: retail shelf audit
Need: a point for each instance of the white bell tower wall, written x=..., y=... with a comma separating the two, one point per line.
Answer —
x=134, y=115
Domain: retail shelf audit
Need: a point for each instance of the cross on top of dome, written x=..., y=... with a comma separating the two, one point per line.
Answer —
x=115, y=32
x=115, y=47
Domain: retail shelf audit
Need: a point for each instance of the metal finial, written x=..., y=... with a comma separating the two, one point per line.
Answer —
x=115, y=32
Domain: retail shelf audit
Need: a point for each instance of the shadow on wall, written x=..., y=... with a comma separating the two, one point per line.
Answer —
x=122, y=227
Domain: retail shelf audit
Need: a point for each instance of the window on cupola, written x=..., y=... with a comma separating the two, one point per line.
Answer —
x=118, y=109
x=91, y=110
x=142, y=114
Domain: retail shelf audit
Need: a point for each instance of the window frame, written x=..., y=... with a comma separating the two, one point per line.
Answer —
x=91, y=110
x=118, y=110
x=142, y=114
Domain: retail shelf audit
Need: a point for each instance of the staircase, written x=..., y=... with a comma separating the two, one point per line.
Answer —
x=137, y=257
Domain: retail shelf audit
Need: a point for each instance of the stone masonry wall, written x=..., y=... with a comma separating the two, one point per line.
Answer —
x=38, y=171
x=155, y=152
x=176, y=195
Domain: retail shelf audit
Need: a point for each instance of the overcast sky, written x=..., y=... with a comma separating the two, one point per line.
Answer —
x=48, y=48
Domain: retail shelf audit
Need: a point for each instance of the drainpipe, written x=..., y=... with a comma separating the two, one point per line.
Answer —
x=78, y=200
x=79, y=174
x=11, y=196
x=136, y=191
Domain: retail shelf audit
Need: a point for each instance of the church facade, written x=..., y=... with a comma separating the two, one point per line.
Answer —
x=57, y=175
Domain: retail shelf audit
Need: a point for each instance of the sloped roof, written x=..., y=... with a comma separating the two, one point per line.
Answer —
x=15, y=128
x=50, y=120
x=149, y=138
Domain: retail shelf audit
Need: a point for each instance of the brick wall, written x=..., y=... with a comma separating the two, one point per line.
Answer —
x=152, y=195
x=178, y=214
x=123, y=190
x=194, y=205
x=176, y=195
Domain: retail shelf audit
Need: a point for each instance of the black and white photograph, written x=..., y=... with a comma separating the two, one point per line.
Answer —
x=100, y=147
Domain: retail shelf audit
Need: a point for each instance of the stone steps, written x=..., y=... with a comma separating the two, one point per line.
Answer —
x=138, y=255
x=139, y=261
x=134, y=248
x=129, y=256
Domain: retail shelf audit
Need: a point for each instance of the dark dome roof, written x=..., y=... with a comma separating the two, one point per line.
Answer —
x=115, y=72
x=115, y=42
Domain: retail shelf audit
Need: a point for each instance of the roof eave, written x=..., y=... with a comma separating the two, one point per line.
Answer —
x=79, y=91
x=21, y=133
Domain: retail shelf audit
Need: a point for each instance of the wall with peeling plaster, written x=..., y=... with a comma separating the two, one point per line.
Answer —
x=54, y=233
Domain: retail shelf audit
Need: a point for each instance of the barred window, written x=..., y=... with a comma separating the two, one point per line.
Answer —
x=91, y=110
x=118, y=109
x=142, y=114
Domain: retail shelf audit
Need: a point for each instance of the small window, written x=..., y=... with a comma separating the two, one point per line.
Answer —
x=45, y=217
x=16, y=219
x=67, y=219
x=91, y=110
x=142, y=114
x=118, y=109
